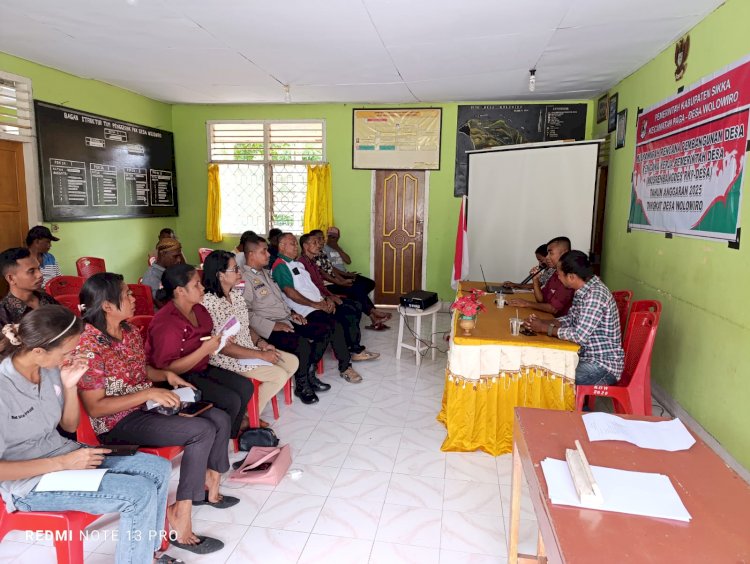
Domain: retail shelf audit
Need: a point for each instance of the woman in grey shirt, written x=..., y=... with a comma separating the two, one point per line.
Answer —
x=38, y=376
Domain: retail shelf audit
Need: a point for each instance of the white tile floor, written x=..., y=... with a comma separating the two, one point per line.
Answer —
x=375, y=488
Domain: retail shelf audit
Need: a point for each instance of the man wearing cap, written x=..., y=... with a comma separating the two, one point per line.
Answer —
x=38, y=241
x=168, y=253
x=21, y=270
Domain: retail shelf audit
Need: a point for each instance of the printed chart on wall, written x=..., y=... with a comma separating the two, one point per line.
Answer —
x=396, y=139
x=690, y=159
x=497, y=125
x=95, y=167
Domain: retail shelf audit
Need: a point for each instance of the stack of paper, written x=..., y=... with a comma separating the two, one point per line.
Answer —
x=186, y=395
x=658, y=435
x=229, y=329
x=254, y=362
x=71, y=481
x=636, y=493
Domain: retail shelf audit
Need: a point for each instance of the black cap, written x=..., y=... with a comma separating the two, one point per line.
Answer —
x=39, y=232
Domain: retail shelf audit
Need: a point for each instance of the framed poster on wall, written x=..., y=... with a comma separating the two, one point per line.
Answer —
x=396, y=139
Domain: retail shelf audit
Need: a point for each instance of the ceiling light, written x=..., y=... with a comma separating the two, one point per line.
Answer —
x=287, y=95
x=532, y=80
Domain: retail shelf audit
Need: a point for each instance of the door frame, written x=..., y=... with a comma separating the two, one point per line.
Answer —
x=373, y=187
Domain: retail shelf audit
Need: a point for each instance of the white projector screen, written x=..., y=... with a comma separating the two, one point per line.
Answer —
x=521, y=196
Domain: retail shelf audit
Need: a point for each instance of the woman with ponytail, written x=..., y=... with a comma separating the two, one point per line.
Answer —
x=114, y=391
x=39, y=371
x=180, y=340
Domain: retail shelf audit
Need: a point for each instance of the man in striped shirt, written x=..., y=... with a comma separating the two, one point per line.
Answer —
x=592, y=322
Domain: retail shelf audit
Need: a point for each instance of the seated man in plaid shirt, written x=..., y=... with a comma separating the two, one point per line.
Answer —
x=592, y=322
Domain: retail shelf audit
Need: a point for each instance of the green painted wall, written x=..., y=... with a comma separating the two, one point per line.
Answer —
x=123, y=243
x=705, y=325
x=351, y=188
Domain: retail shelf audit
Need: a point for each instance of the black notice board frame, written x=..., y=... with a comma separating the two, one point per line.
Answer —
x=96, y=167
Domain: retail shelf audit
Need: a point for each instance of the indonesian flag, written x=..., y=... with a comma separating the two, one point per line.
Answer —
x=461, y=259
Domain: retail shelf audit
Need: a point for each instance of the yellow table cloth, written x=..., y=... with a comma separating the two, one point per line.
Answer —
x=491, y=372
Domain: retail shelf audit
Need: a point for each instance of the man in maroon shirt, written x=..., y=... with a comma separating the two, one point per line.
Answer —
x=553, y=297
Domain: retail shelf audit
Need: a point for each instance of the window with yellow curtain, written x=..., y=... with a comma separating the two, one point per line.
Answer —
x=263, y=171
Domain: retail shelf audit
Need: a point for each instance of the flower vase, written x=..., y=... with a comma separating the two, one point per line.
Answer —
x=467, y=323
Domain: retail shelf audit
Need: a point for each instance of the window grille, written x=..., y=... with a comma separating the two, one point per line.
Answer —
x=263, y=171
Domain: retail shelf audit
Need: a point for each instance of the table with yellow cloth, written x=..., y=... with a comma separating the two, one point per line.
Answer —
x=491, y=372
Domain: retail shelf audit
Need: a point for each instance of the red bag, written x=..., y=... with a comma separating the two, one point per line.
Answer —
x=264, y=465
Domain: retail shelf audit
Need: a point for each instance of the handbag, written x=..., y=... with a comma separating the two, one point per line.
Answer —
x=264, y=465
x=258, y=438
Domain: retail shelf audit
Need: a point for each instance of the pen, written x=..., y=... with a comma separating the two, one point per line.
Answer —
x=207, y=338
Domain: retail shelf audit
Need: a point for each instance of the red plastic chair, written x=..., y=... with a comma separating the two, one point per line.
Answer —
x=144, y=301
x=632, y=394
x=88, y=266
x=622, y=299
x=60, y=285
x=142, y=322
x=71, y=302
x=645, y=305
x=203, y=252
x=66, y=526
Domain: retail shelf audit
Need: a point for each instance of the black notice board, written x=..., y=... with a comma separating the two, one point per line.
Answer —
x=95, y=167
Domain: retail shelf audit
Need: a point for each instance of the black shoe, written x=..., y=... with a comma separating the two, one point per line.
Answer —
x=304, y=392
x=316, y=384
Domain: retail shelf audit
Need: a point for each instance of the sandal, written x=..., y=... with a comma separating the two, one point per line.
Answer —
x=364, y=355
x=225, y=502
x=380, y=326
x=206, y=545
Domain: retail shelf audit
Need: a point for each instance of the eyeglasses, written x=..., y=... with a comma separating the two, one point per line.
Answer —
x=235, y=269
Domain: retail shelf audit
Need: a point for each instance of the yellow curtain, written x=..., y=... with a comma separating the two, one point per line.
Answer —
x=319, y=203
x=213, y=206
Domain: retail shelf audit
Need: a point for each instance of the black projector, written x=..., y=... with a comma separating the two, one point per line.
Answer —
x=419, y=299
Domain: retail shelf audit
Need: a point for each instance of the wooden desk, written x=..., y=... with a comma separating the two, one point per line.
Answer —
x=715, y=496
x=491, y=372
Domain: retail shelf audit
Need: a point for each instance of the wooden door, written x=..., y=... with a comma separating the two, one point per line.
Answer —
x=14, y=219
x=398, y=233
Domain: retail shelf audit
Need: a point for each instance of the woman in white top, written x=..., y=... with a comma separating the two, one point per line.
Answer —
x=246, y=353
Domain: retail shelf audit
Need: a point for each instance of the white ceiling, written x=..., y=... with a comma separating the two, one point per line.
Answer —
x=245, y=51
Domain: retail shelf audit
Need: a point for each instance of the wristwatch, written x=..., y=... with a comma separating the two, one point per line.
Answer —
x=550, y=327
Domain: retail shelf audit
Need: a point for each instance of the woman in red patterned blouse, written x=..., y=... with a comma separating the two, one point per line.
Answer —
x=115, y=389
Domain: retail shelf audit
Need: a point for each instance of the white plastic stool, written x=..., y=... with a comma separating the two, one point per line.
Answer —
x=418, y=347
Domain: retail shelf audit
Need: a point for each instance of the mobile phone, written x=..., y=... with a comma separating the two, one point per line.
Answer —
x=195, y=408
x=121, y=450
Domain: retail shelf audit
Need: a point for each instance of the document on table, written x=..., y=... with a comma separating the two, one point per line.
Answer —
x=254, y=362
x=229, y=329
x=71, y=481
x=624, y=491
x=186, y=395
x=657, y=435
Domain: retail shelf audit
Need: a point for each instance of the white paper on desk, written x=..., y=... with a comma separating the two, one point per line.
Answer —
x=623, y=491
x=657, y=435
x=229, y=329
x=254, y=362
x=186, y=395
x=71, y=481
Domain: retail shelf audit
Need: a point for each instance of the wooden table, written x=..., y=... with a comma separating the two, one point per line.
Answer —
x=717, y=499
x=490, y=372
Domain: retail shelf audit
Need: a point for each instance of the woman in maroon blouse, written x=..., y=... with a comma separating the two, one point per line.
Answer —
x=115, y=388
x=179, y=340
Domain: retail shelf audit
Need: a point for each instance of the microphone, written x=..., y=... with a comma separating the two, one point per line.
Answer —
x=530, y=276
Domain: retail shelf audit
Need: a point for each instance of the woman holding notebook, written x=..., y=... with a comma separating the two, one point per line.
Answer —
x=115, y=389
x=39, y=371
x=246, y=353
